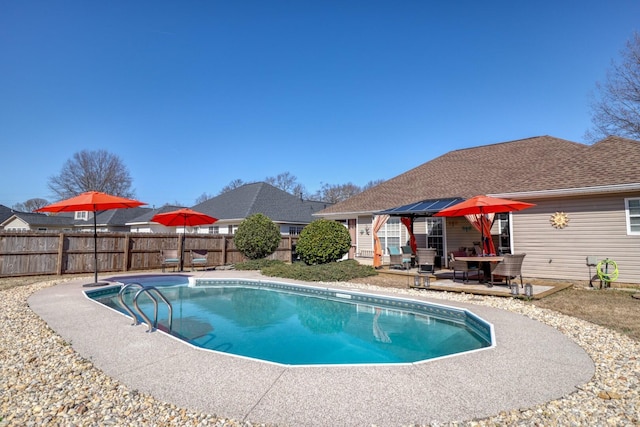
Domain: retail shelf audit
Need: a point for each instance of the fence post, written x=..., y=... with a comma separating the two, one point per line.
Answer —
x=224, y=250
x=60, y=254
x=127, y=253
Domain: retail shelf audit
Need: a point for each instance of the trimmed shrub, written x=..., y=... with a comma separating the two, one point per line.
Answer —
x=257, y=236
x=257, y=264
x=323, y=241
x=342, y=271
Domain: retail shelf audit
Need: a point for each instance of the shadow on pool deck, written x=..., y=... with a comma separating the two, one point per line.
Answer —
x=531, y=363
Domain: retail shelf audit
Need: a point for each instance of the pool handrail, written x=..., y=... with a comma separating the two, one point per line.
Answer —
x=121, y=293
x=145, y=290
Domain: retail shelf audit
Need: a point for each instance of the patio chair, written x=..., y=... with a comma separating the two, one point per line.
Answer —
x=509, y=268
x=426, y=259
x=407, y=256
x=169, y=258
x=464, y=267
x=199, y=257
x=395, y=257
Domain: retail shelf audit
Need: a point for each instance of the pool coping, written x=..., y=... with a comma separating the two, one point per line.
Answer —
x=532, y=363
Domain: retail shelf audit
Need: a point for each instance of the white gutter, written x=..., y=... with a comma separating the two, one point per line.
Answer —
x=563, y=192
x=345, y=215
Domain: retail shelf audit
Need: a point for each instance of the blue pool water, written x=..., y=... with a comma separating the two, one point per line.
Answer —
x=299, y=325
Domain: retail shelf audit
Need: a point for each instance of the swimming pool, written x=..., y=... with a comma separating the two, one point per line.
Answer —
x=304, y=325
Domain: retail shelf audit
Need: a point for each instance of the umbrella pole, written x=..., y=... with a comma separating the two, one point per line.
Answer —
x=482, y=233
x=184, y=231
x=182, y=253
x=95, y=249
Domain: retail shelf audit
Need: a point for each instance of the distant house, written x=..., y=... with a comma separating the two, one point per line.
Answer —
x=5, y=213
x=289, y=212
x=596, y=188
x=113, y=220
x=28, y=221
x=143, y=223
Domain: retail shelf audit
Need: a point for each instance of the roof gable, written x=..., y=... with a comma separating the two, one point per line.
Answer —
x=263, y=198
x=5, y=213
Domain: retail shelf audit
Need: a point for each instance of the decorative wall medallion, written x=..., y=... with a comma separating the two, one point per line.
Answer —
x=559, y=220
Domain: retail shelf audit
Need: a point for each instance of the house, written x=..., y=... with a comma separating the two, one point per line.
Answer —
x=289, y=212
x=143, y=223
x=587, y=201
x=29, y=221
x=5, y=214
x=113, y=220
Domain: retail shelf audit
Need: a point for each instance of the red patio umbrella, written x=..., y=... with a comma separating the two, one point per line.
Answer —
x=483, y=205
x=184, y=217
x=92, y=201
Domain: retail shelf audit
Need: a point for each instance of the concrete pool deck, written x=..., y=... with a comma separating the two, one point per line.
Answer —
x=532, y=363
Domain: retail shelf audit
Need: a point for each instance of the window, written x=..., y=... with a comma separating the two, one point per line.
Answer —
x=632, y=209
x=389, y=234
x=214, y=229
x=502, y=221
x=83, y=215
x=294, y=231
x=434, y=234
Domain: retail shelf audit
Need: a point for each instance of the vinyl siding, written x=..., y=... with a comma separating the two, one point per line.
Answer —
x=597, y=227
x=16, y=224
x=364, y=241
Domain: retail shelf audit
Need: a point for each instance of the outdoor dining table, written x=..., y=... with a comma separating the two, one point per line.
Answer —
x=483, y=263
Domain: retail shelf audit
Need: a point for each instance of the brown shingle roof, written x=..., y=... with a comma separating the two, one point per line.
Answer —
x=612, y=161
x=532, y=164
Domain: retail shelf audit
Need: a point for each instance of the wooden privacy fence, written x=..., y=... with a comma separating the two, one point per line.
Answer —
x=38, y=253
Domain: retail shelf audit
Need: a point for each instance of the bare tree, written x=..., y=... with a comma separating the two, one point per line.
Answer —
x=30, y=205
x=92, y=171
x=286, y=182
x=203, y=198
x=337, y=193
x=616, y=107
x=372, y=184
x=232, y=185
x=289, y=183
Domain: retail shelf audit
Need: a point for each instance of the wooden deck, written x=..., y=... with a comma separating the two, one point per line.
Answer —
x=442, y=280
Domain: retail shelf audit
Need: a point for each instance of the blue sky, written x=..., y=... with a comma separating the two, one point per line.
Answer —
x=192, y=95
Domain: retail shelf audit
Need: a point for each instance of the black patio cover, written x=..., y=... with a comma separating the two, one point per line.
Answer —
x=422, y=208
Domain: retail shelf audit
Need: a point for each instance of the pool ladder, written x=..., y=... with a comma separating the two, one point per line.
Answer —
x=149, y=291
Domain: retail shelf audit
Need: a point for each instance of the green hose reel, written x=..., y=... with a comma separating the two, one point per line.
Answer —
x=607, y=270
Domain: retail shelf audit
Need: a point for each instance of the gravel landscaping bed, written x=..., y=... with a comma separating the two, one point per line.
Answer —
x=44, y=382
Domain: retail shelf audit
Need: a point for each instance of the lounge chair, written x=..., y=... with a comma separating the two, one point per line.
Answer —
x=169, y=258
x=199, y=257
x=509, y=268
x=395, y=257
